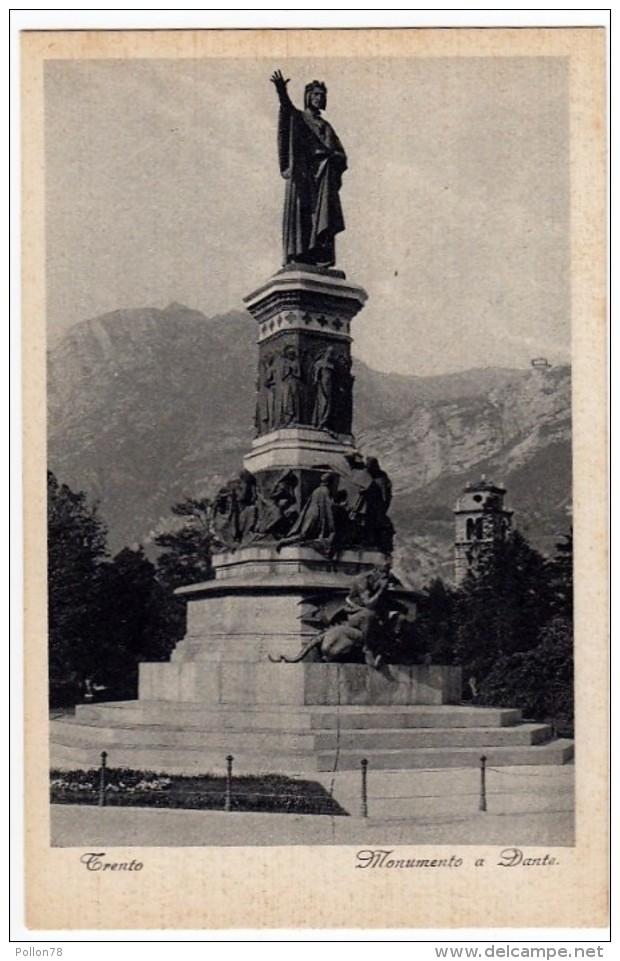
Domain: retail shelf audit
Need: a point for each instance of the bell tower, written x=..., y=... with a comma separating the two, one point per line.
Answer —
x=481, y=522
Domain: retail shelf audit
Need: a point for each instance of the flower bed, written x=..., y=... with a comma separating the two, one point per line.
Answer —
x=207, y=792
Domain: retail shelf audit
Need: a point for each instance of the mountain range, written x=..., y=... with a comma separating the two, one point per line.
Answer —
x=149, y=406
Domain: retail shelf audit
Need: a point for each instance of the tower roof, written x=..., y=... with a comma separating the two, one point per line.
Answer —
x=483, y=485
x=483, y=497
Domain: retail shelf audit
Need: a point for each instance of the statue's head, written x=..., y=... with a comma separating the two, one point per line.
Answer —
x=329, y=479
x=315, y=95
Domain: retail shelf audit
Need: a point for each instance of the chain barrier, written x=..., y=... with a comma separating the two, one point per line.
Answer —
x=230, y=795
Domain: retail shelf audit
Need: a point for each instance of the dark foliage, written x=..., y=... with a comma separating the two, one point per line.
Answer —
x=539, y=681
x=503, y=609
x=138, y=622
x=104, y=616
x=510, y=628
x=561, y=577
x=186, y=554
x=76, y=555
x=435, y=624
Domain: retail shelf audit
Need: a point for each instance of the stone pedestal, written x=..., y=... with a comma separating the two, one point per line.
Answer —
x=257, y=607
x=299, y=524
x=304, y=412
x=245, y=679
x=304, y=320
x=273, y=566
x=295, y=447
x=264, y=600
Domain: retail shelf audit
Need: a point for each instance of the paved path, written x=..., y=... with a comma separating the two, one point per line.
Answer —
x=525, y=806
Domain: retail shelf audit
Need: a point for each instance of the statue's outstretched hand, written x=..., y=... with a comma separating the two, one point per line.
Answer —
x=280, y=84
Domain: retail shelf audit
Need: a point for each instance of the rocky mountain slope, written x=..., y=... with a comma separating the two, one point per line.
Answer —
x=149, y=406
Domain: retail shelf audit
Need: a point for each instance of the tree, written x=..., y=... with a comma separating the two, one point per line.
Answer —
x=105, y=617
x=502, y=609
x=138, y=622
x=76, y=553
x=186, y=556
x=435, y=625
x=561, y=577
x=539, y=681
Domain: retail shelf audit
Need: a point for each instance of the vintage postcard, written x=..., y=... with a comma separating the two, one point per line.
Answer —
x=314, y=338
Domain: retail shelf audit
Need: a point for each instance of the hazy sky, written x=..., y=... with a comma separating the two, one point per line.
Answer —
x=163, y=185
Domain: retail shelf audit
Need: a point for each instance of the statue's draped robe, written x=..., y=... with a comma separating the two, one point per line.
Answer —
x=324, y=374
x=370, y=511
x=290, y=404
x=312, y=162
x=316, y=521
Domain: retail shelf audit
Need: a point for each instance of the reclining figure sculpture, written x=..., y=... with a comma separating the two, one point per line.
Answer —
x=368, y=623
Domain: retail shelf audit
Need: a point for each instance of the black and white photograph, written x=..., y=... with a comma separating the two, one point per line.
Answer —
x=310, y=334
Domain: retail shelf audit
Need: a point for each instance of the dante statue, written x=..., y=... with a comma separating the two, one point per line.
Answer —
x=312, y=162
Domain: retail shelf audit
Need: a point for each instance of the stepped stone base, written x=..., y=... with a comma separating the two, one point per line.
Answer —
x=191, y=739
x=221, y=694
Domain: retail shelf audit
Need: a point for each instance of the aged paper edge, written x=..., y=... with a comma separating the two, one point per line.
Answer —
x=290, y=887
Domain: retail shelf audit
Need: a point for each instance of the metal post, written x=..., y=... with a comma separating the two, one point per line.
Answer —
x=364, y=805
x=102, y=779
x=483, y=783
x=228, y=795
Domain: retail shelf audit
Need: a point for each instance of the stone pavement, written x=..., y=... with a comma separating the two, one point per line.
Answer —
x=525, y=806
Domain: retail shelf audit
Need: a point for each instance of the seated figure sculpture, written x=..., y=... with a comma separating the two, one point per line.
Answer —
x=359, y=626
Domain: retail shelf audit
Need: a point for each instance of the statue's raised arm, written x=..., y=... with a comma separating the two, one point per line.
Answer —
x=312, y=161
x=281, y=88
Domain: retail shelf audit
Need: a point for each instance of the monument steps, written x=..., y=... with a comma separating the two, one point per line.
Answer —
x=135, y=735
x=560, y=751
x=193, y=716
x=175, y=760
x=415, y=716
x=303, y=718
x=77, y=732
x=436, y=737
x=156, y=736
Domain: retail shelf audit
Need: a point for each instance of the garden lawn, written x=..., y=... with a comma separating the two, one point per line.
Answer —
x=205, y=792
